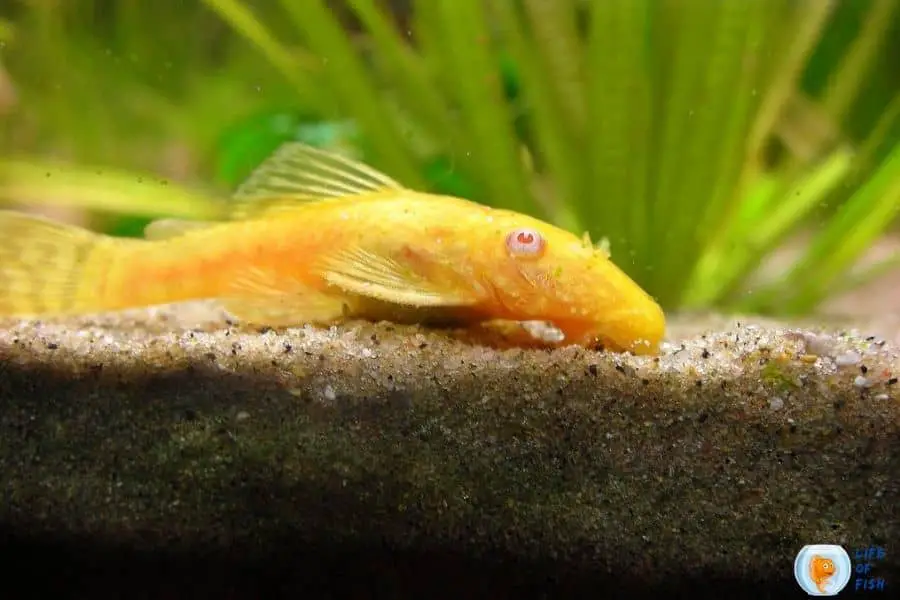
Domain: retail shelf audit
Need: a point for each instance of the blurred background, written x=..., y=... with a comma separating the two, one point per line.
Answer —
x=738, y=156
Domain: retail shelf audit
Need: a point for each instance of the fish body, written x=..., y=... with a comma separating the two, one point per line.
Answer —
x=821, y=569
x=317, y=238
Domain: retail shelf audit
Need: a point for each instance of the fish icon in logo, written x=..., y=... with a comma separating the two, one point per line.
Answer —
x=822, y=569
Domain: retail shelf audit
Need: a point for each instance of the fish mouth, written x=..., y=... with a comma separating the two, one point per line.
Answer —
x=638, y=330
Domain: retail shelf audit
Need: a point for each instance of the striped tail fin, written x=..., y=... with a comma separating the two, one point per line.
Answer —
x=49, y=268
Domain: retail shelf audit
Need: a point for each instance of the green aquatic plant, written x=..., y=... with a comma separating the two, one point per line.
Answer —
x=695, y=136
x=104, y=189
x=651, y=122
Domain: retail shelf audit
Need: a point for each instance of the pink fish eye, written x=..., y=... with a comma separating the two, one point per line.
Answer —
x=525, y=242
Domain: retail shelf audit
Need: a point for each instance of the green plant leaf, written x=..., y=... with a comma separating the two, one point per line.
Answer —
x=617, y=180
x=289, y=62
x=103, y=189
x=466, y=48
x=354, y=89
x=840, y=243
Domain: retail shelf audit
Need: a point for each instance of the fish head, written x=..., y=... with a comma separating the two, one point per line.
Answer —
x=826, y=566
x=539, y=272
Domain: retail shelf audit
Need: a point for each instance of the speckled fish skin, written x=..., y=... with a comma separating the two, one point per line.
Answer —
x=307, y=256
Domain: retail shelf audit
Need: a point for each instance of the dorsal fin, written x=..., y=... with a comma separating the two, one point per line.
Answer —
x=298, y=173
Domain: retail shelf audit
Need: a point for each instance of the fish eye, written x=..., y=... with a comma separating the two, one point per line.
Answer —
x=525, y=242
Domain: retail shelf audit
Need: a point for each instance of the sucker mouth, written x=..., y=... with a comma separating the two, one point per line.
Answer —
x=598, y=345
x=545, y=331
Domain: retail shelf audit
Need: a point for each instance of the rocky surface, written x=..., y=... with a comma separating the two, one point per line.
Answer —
x=139, y=454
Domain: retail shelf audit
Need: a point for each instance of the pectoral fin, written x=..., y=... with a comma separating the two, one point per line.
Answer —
x=387, y=279
x=261, y=298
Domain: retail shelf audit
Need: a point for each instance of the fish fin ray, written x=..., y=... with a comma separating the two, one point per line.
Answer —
x=52, y=268
x=297, y=173
x=383, y=278
x=163, y=229
x=260, y=297
x=285, y=310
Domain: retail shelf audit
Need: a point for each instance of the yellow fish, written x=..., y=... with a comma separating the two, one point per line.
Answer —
x=317, y=238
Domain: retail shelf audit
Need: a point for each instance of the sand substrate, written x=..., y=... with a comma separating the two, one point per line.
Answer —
x=146, y=456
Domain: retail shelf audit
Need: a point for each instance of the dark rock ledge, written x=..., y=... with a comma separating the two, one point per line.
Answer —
x=143, y=459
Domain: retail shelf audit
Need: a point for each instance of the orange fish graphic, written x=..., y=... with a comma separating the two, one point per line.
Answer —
x=821, y=569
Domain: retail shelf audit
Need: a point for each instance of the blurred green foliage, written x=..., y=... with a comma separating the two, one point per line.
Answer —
x=695, y=135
